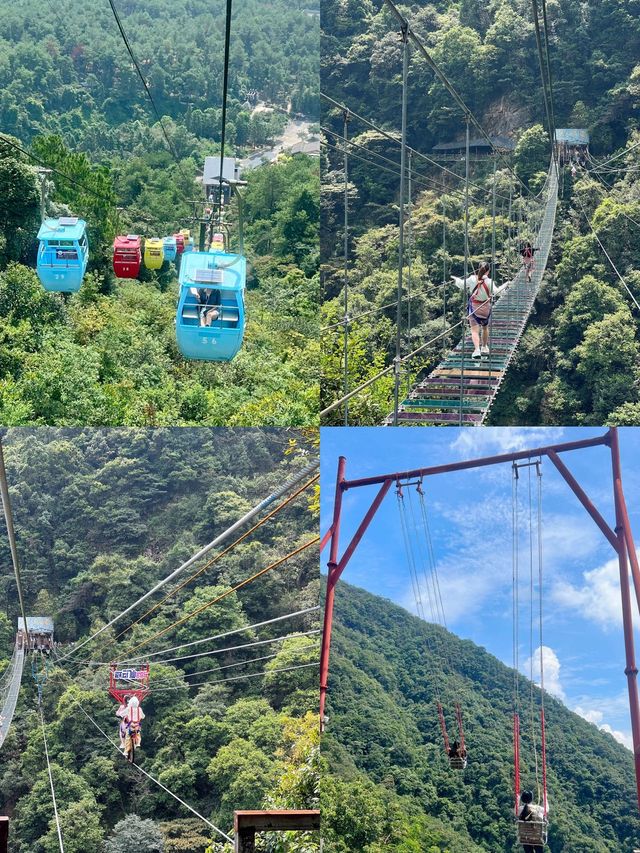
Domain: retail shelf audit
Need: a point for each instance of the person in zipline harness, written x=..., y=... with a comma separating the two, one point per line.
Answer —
x=481, y=292
x=131, y=716
x=531, y=812
x=208, y=304
x=527, y=252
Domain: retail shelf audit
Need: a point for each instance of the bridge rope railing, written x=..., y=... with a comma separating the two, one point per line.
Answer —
x=10, y=691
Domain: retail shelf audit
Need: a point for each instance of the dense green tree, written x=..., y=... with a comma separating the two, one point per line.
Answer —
x=133, y=833
x=532, y=153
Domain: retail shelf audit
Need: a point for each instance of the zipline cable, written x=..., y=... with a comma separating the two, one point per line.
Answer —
x=209, y=651
x=53, y=793
x=153, y=779
x=611, y=192
x=403, y=155
x=219, y=556
x=241, y=677
x=224, y=634
x=223, y=595
x=277, y=493
x=340, y=323
x=543, y=76
x=11, y=535
x=545, y=20
x=617, y=156
x=172, y=680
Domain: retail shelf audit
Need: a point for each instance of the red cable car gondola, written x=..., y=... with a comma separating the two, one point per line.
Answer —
x=179, y=243
x=127, y=256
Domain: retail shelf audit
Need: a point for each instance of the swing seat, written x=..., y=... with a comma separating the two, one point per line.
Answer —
x=458, y=763
x=532, y=831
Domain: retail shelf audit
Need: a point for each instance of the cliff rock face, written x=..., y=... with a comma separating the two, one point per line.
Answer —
x=507, y=117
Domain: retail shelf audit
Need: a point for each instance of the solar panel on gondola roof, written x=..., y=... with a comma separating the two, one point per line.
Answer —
x=209, y=276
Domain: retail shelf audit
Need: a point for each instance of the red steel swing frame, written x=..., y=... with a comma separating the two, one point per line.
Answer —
x=620, y=538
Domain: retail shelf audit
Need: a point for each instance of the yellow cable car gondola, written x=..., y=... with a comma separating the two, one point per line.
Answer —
x=153, y=253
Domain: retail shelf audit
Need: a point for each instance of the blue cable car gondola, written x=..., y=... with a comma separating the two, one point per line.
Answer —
x=210, y=318
x=63, y=253
x=170, y=248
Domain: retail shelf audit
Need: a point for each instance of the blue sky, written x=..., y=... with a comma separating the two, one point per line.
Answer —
x=470, y=515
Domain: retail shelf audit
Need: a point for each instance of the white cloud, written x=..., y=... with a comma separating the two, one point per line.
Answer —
x=597, y=598
x=591, y=716
x=503, y=440
x=595, y=717
x=552, y=665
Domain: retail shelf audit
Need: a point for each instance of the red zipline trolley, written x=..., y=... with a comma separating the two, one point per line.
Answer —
x=136, y=681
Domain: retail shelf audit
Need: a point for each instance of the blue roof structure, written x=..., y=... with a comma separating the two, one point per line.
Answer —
x=222, y=268
x=572, y=135
x=64, y=228
x=37, y=624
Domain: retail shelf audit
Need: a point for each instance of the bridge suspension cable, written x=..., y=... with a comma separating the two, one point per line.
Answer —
x=607, y=255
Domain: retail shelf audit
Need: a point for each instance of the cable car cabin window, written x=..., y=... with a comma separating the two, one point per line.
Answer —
x=211, y=297
x=52, y=243
x=66, y=243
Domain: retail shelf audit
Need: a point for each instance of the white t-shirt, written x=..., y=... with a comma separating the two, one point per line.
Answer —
x=537, y=812
x=471, y=282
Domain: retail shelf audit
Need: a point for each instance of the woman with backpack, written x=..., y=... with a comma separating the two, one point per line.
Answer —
x=528, y=251
x=481, y=293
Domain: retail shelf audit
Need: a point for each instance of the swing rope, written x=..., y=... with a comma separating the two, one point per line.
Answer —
x=415, y=584
x=516, y=697
x=540, y=588
x=434, y=593
x=532, y=712
x=535, y=541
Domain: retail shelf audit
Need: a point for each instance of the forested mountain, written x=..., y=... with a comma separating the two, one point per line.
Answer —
x=71, y=96
x=101, y=516
x=66, y=70
x=388, y=783
x=488, y=52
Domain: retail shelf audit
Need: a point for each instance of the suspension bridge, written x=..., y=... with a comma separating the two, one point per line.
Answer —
x=461, y=390
x=10, y=687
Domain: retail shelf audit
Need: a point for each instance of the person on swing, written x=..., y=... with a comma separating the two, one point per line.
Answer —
x=530, y=812
x=481, y=292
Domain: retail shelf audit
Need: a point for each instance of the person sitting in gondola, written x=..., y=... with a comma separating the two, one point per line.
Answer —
x=481, y=293
x=208, y=304
x=531, y=813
